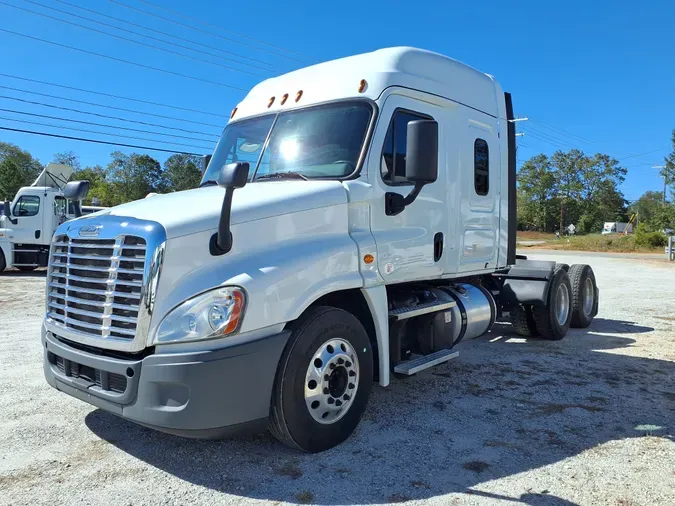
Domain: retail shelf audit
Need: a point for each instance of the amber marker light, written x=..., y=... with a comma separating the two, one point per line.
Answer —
x=234, y=111
x=362, y=85
x=270, y=102
x=284, y=98
x=369, y=259
x=298, y=96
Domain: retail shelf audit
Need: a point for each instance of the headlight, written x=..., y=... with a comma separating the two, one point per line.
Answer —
x=212, y=314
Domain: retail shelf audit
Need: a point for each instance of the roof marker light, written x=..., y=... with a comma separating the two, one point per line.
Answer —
x=284, y=98
x=234, y=111
x=271, y=102
x=298, y=95
x=362, y=85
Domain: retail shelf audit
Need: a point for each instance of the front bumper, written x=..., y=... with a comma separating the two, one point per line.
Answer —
x=206, y=394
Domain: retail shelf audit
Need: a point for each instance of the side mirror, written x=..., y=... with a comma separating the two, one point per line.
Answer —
x=205, y=163
x=76, y=191
x=230, y=177
x=7, y=211
x=422, y=151
x=233, y=175
x=421, y=166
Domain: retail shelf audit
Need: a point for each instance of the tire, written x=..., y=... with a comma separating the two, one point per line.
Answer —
x=523, y=321
x=551, y=323
x=3, y=264
x=584, y=295
x=314, y=348
x=26, y=268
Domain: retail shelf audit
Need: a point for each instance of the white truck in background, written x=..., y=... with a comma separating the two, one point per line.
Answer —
x=357, y=221
x=27, y=224
x=615, y=227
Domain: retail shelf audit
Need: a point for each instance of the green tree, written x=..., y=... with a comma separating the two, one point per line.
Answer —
x=68, y=158
x=134, y=176
x=182, y=172
x=536, y=199
x=17, y=168
x=99, y=186
x=570, y=187
x=648, y=207
x=668, y=172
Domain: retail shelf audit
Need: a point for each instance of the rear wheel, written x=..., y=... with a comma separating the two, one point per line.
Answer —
x=523, y=321
x=323, y=383
x=584, y=291
x=553, y=320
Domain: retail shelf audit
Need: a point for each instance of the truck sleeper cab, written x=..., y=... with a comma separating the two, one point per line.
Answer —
x=356, y=221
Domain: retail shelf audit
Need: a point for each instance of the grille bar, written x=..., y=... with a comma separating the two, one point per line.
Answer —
x=96, y=303
x=89, y=291
x=93, y=291
x=107, y=281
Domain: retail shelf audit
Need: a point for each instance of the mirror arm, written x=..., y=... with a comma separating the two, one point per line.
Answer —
x=413, y=194
x=395, y=203
x=221, y=242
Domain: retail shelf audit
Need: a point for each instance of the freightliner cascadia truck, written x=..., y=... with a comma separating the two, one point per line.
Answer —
x=355, y=222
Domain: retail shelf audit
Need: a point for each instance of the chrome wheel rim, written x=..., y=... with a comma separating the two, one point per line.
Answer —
x=332, y=381
x=562, y=304
x=589, y=296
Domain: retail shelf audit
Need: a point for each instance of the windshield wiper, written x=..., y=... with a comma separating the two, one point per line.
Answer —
x=283, y=175
x=209, y=182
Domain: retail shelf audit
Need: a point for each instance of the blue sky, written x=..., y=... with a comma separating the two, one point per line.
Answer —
x=594, y=75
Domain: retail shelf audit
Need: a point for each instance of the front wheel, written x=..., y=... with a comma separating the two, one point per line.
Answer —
x=323, y=382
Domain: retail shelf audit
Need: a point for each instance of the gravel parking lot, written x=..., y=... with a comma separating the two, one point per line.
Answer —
x=586, y=420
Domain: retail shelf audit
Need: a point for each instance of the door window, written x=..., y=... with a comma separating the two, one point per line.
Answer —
x=59, y=206
x=27, y=205
x=392, y=164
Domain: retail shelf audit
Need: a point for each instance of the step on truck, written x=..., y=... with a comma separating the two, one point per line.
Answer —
x=356, y=222
x=28, y=222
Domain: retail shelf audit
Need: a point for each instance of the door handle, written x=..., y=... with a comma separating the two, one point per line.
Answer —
x=438, y=246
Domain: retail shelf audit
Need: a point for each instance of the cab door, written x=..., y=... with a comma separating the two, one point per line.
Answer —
x=27, y=211
x=410, y=245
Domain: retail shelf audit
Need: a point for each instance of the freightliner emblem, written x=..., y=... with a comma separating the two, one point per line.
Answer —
x=89, y=231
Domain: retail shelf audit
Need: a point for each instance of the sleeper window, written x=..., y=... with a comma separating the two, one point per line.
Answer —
x=481, y=167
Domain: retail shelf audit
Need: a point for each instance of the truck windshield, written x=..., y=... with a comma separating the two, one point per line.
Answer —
x=318, y=142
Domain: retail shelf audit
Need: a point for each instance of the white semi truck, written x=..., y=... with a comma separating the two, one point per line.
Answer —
x=29, y=221
x=356, y=221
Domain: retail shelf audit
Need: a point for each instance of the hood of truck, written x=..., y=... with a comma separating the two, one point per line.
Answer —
x=193, y=211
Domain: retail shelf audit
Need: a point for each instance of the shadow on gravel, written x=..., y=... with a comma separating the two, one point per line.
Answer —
x=24, y=274
x=507, y=406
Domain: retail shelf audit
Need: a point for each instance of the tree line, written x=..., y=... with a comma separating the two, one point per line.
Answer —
x=575, y=188
x=123, y=179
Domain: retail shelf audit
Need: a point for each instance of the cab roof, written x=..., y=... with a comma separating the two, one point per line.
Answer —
x=407, y=67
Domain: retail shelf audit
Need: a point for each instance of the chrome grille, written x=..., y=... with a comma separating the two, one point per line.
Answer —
x=95, y=285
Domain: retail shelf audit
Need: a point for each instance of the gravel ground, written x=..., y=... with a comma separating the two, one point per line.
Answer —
x=587, y=420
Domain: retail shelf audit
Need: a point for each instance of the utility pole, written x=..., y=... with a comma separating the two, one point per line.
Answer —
x=664, y=180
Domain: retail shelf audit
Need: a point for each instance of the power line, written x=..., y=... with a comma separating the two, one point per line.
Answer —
x=221, y=28
x=109, y=106
x=224, y=51
x=142, y=65
x=543, y=135
x=96, y=132
x=191, y=27
x=89, y=113
x=561, y=131
x=110, y=95
x=98, y=141
x=24, y=113
x=124, y=38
